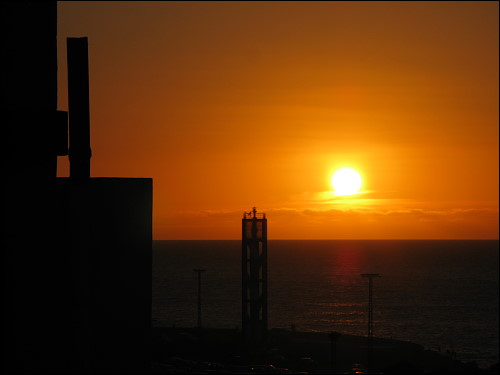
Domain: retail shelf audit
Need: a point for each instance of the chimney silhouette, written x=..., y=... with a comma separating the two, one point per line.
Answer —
x=79, y=112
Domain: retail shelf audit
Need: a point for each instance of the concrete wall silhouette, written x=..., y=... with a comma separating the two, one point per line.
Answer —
x=108, y=222
x=29, y=88
x=32, y=259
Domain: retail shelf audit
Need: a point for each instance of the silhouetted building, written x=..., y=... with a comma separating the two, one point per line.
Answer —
x=76, y=252
x=254, y=276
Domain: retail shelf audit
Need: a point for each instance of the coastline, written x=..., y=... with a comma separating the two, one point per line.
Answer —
x=193, y=350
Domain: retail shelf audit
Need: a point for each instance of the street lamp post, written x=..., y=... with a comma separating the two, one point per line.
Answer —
x=370, y=277
x=199, y=271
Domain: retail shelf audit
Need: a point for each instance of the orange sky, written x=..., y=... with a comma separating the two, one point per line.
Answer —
x=230, y=105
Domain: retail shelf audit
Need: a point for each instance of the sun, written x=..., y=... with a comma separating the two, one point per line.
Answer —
x=346, y=181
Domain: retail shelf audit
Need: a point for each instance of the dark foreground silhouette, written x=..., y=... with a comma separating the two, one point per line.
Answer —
x=191, y=350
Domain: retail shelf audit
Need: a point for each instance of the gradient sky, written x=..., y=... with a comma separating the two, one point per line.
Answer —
x=230, y=105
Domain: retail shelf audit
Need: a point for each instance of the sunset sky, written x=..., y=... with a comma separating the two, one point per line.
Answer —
x=230, y=105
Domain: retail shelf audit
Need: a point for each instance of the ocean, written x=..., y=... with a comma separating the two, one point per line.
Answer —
x=443, y=295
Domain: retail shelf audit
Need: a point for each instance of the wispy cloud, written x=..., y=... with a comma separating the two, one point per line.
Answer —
x=364, y=204
x=490, y=213
x=289, y=222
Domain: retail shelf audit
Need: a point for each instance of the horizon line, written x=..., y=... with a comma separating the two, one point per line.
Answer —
x=341, y=239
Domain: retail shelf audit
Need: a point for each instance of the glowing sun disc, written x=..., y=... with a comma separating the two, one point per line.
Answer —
x=346, y=181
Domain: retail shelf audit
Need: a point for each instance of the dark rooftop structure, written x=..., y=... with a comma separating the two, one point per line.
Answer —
x=76, y=252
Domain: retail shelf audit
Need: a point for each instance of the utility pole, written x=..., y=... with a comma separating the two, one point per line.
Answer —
x=199, y=271
x=370, y=277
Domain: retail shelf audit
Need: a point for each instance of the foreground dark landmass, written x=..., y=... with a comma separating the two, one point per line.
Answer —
x=185, y=350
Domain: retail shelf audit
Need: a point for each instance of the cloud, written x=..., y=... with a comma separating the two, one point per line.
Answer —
x=457, y=214
x=365, y=198
x=408, y=212
x=337, y=223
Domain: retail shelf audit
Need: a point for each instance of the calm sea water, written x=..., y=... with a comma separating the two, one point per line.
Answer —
x=443, y=295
